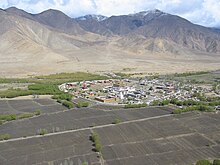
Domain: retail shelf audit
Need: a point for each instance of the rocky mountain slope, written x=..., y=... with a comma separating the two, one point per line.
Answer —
x=156, y=24
x=153, y=41
x=92, y=23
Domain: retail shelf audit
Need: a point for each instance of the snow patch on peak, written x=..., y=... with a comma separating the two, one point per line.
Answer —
x=98, y=18
x=144, y=13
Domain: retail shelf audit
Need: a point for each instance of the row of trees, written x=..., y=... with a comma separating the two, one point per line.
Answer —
x=97, y=143
x=63, y=96
x=208, y=102
x=5, y=137
x=207, y=162
x=81, y=104
x=190, y=73
x=65, y=99
x=10, y=117
x=202, y=108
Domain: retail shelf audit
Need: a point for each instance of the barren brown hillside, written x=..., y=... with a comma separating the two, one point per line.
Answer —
x=31, y=46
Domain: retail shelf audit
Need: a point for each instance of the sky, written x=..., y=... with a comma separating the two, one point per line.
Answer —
x=203, y=12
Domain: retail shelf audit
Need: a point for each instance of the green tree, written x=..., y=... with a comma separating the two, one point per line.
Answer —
x=81, y=104
x=116, y=121
x=37, y=112
x=68, y=104
x=216, y=162
x=98, y=147
x=84, y=163
x=95, y=138
x=5, y=137
x=203, y=162
x=42, y=131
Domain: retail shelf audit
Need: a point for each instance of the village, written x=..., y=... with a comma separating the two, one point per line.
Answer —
x=134, y=91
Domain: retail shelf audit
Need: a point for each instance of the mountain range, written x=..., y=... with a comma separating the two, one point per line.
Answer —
x=148, y=41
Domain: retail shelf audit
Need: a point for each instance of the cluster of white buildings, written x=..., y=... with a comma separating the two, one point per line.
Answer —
x=132, y=91
x=119, y=91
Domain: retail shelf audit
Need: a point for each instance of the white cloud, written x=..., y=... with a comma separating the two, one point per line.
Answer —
x=212, y=10
x=119, y=7
x=204, y=12
x=13, y=2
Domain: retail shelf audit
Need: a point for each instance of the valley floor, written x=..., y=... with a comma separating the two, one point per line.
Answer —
x=104, y=60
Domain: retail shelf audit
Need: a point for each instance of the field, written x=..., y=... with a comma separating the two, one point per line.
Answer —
x=23, y=106
x=74, y=148
x=72, y=119
x=150, y=135
x=162, y=141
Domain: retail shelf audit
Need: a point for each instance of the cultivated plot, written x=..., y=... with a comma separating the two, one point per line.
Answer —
x=71, y=148
x=144, y=136
x=75, y=119
x=165, y=140
x=25, y=106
